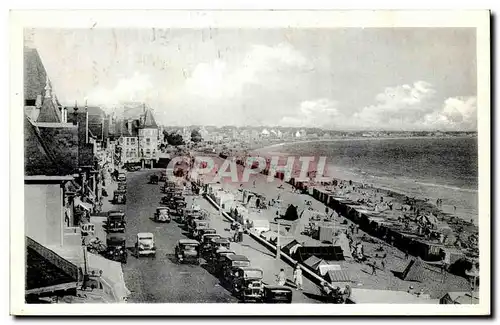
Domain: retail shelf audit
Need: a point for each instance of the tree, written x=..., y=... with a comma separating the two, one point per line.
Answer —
x=173, y=138
x=196, y=136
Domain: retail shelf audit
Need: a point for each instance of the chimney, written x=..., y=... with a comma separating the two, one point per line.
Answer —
x=75, y=113
x=86, y=123
x=129, y=126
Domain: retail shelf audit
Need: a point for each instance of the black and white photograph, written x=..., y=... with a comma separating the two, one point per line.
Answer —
x=237, y=164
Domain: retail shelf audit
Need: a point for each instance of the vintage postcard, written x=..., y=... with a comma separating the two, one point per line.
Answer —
x=234, y=162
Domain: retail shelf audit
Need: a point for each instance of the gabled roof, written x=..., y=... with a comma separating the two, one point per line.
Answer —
x=38, y=158
x=149, y=120
x=62, y=139
x=34, y=74
x=49, y=112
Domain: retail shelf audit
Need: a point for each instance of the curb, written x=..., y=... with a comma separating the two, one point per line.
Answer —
x=310, y=275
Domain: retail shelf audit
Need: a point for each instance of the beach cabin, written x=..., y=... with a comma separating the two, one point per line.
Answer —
x=225, y=200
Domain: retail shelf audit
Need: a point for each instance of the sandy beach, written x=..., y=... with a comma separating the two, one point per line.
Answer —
x=434, y=282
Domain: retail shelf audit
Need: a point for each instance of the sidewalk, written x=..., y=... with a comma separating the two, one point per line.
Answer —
x=259, y=256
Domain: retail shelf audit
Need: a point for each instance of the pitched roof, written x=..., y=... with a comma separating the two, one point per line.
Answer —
x=34, y=74
x=149, y=120
x=49, y=112
x=38, y=158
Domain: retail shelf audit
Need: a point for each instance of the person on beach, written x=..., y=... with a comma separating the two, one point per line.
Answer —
x=374, y=268
x=297, y=277
x=281, y=278
x=240, y=233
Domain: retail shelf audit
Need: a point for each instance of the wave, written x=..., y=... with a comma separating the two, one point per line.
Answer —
x=449, y=187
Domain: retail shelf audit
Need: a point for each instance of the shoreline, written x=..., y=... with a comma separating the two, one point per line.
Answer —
x=356, y=139
x=459, y=201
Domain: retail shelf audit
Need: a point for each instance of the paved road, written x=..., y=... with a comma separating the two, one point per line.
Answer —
x=162, y=279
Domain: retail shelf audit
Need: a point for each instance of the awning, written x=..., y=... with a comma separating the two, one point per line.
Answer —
x=79, y=203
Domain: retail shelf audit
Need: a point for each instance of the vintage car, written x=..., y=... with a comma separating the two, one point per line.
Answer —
x=162, y=214
x=187, y=251
x=205, y=231
x=277, y=294
x=230, y=263
x=191, y=218
x=247, y=283
x=122, y=186
x=206, y=244
x=198, y=225
x=188, y=212
x=132, y=168
x=145, y=244
x=219, y=243
x=119, y=197
x=115, y=222
x=116, y=249
x=168, y=186
x=217, y=260
x=122, y=177
x=153, y=179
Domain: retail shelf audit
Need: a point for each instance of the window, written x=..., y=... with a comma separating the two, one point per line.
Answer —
x=128, y=141
x=132, y=141
x=148, y=152
x=148, y=141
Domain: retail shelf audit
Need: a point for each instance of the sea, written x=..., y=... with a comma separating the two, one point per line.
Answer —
x=444, y=168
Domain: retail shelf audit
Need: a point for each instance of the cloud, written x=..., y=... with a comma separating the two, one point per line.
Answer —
x=415, y=107
x=316, y=113
x=457, y=113
x=135, y=88
x=223, y=80
x=398, y=107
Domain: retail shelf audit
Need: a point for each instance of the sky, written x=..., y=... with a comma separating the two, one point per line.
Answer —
x=332, y=78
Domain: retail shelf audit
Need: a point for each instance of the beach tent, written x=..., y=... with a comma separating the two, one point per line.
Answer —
x=291, y=247
x=337, y=275
x=312, y=262
x=414, y=271
x=328, y=253
x=343, y=242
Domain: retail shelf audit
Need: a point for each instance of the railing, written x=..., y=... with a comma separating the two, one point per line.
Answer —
x=309, y=274
x=68, y=267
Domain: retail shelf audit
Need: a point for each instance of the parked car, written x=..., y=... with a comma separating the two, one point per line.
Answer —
x=122, y=177
x=119, y=197
x=247, y=283
x=153, y=179
x=169, y=186
x=230, y=263
x=115, y=222
x=187, y=251
x=145, y=244
x=206, y=244
x=217, y=260
x=162, y=214
x=219, y=243
x=197, y=226
x=116, y=249
x=205, y=231
x=122, y=186
x=277, y=294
